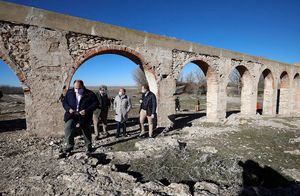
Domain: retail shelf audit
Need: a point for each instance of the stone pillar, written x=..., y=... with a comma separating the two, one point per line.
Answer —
x=269, y=99
x=269, y=94
x=215, y=99
x=284, y=96
x=166, y=101
x=284, y=101
x=248, y=95
x=295, y=103
x=49, y=63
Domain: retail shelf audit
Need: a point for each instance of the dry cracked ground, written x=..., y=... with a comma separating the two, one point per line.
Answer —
x=257, y=156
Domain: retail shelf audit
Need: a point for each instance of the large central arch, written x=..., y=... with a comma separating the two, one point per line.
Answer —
x=212, y=87
x=118, y=50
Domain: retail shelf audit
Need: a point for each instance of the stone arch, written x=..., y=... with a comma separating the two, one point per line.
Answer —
x=296, y=95
x=268, y=92
x=118, y=50
x=20, y=75
x=283, y=94
x=212, y=86
x=21, y=124
x=248, y=100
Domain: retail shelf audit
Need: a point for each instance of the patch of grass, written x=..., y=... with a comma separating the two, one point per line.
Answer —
x=189, y=165
x=264, y=145
x=125, y=146
x=286, y=123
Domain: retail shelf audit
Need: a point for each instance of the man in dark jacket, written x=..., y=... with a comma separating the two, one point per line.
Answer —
x=148, y=109
x=79, y=104
x=101, y=112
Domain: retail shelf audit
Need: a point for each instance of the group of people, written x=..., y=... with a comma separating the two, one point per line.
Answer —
x=83, y=106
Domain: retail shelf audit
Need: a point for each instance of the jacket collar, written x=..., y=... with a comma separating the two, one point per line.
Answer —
x=123, y=96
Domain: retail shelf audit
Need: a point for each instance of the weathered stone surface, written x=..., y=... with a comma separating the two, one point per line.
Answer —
x=206, y=188
x=45, y=49
x=155, y=188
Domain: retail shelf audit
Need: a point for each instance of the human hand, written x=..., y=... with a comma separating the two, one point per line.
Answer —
x=71, y=111
x=152, y=115
x=82, y=112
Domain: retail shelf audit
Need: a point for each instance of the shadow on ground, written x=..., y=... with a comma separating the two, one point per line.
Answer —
x=12, y=125
x=265, y=180
x=182, y=120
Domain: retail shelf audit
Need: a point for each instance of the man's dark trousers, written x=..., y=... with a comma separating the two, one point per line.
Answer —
x=70, y=127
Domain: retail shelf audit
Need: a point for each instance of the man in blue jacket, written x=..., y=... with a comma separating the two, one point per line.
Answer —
x=79, y=104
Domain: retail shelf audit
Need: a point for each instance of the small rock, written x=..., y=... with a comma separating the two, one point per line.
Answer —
x=294, y=140
x=93, y=161
x=204, y=187
x=37, y=178
x=79, y=156
x=209, y=149
x=293, y=152
x=293, y=173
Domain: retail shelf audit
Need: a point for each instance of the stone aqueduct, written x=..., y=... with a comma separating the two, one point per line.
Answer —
x=44, y=49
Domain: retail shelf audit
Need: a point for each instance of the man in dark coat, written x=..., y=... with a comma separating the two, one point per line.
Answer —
x=79, y=104
x=101, y=113
x=148, y=110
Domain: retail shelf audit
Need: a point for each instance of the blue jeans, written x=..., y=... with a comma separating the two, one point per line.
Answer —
x=119, y=126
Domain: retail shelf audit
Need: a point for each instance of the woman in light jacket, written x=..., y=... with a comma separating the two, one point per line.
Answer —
x=122, y=106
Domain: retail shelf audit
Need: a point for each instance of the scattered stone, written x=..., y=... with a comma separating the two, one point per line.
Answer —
x=206, y=188
x=92, y=161
x=293, y=173
x=156, y=188
x=208, y=149
x=294, y=140
x=293, y=152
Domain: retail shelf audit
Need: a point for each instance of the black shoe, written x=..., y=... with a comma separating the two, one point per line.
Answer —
x=67, y=150
x=142, y=136
x=89, y=150
x=117, y=136
x=97, y=137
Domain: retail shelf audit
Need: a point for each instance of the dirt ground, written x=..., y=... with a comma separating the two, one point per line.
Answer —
x=253, y=156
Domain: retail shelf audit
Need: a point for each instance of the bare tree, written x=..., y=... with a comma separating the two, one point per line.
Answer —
x=139, y=77
x=199, y=77
x=180, y=78
x=235, y=79
x=189, y=78
x=261, y=83
x=193, y=82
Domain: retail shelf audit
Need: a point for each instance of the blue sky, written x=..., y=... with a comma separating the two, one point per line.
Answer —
x=267, y=28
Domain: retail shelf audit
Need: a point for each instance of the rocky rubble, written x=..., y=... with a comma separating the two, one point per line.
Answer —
x=180, y=162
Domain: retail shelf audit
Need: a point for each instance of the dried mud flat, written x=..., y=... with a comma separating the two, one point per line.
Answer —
x=258, y=156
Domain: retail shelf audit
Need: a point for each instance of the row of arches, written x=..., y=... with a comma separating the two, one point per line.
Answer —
x=280, y=96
